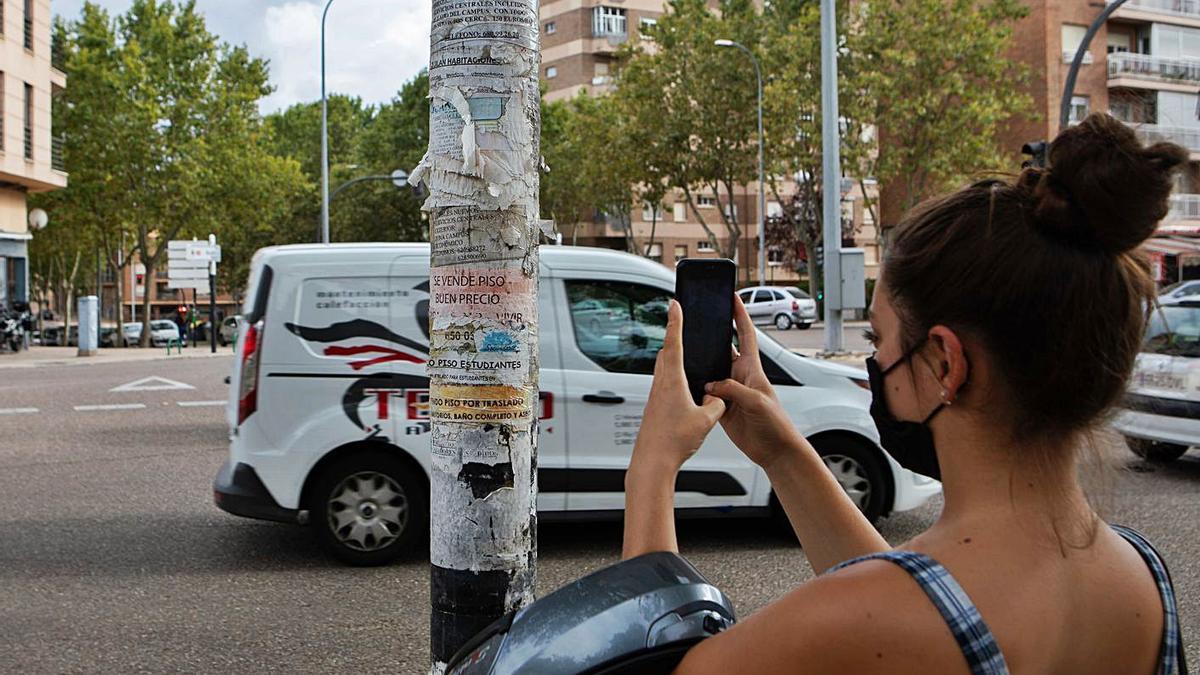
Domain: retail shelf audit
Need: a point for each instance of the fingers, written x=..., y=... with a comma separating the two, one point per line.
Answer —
x=713, y=408
x=731, y=391
x=671, y=355
x=745, y=328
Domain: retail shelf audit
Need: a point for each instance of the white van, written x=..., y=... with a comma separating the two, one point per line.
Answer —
x=329, y=403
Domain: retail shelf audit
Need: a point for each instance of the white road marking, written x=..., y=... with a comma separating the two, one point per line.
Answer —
x=198, y=404
x=152, y=383
x=110, y=406
x=17, y=411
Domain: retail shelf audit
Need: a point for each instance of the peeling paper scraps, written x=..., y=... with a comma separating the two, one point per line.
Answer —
x=454, y=447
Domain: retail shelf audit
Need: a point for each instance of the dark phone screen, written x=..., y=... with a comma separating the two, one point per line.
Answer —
x=704, y=289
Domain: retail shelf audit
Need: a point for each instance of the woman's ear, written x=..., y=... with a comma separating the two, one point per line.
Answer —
x=951, y=367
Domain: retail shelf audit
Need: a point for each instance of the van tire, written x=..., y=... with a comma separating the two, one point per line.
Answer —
x=855, y=464
x=380, y=499
x=1154, y=451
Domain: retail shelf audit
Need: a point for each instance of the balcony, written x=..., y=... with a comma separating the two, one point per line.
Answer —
x=1188, y=137
x=1184, y=207
x=1143, y=71
x=56, y=154
x=1187, y=11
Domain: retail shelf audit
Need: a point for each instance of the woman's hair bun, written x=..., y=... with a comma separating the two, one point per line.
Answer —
x=1102, y=188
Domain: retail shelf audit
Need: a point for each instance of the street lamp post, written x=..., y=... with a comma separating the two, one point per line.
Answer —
x=762, y=195
x=324, y=137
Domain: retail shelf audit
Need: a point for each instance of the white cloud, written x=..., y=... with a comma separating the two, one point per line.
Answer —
x=372, y=46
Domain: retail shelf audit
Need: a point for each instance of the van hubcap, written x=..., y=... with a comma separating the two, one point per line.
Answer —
x=852, y=477
x=367, y=511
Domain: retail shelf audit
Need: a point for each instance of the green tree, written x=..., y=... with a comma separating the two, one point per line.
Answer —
x=941, y=84
x=697, y=103
x=163, y=136
x=793, y=127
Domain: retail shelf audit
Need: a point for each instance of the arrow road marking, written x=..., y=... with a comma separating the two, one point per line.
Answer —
x=198, y=404
x=17, y=411
x=152, y=383
x=110, y=406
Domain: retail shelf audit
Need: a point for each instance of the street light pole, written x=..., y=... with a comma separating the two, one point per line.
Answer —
x=762, y=194
x=324, y=137
x=831, y=178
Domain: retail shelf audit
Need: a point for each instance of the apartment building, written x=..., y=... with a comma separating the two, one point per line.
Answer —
x=580, y=39
x=1143, y=67
x=30, y=154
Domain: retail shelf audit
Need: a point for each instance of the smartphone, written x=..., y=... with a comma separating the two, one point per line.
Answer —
x=704, y=289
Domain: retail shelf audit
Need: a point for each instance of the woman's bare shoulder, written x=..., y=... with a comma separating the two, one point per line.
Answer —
x=867, y=618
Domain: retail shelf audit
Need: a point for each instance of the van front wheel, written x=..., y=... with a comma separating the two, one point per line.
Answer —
x=368, y=508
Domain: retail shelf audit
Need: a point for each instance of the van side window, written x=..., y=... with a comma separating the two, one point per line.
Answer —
x=620, y=326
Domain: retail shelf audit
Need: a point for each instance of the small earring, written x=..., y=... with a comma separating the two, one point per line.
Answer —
x=944, y=398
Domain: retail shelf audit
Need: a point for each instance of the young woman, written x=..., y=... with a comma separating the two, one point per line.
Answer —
x=1006, y=321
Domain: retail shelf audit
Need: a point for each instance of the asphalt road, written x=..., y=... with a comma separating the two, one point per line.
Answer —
x=113, y=558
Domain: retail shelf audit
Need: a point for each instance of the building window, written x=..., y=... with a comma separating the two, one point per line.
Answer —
x=28, y=121
x=774, y=256
x=680, y=210
x=1080, y=107
x=649, y=214
x=29, y=25
x=551, y=72
x=774, y=209
x=654, y=252
x=680, y=251
x=644, y=24
x=551, y=28
x=608, y=21
x=704, y=247
x=706, y=202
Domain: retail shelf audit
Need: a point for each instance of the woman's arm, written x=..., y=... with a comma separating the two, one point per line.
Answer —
x=673, y=427
x=828, y=524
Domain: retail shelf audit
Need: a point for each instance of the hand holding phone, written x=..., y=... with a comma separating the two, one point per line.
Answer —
x=704, y=289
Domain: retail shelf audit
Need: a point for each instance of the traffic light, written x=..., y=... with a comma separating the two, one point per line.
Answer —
x=140, y=278
x=1037, y=155
x=183, y=310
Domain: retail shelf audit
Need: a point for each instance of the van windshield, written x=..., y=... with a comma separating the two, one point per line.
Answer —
x=1174, y=330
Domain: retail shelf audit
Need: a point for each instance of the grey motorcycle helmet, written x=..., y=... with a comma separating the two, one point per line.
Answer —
x=639, y=616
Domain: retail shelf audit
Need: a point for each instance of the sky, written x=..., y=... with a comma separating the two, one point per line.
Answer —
x=372, y=47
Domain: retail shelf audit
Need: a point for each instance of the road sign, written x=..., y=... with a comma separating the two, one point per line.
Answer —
x=194, y=284
x=203, y=252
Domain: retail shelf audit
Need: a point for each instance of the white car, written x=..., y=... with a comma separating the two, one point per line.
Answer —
x=327, y=396
x=777, y=305
x=1184, y=290
x=161, y=332
x=229, y=329
x=1161, y=412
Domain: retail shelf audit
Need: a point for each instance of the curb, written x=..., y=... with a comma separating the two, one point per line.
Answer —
x=100, y=360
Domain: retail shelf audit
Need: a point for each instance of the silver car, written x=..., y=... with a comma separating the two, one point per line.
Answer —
x=777, y=305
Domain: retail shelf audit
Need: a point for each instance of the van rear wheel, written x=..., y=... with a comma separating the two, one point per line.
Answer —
x=368, y=508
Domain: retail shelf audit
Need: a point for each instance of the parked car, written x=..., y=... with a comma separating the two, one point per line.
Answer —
x=229, y=329
x=1184, y=290
x=778, y=306
x=161, y=331
x=313, y=408
x=1160, y=416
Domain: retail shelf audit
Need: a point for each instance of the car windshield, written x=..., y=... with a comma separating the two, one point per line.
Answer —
x=161, y=325
x=1174, y=330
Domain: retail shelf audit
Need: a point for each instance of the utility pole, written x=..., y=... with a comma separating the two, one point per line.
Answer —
x=481, y=173
x=831, y=178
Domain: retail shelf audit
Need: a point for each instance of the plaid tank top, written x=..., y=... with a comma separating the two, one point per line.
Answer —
x=976, y=641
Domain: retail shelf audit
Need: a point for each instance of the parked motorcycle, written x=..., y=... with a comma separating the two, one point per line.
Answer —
x=15, y=324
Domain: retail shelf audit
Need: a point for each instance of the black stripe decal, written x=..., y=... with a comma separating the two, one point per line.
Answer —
x=712, y=483
x=1168, y=407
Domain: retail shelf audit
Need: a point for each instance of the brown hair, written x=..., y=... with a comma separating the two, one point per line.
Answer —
x=1043, y=273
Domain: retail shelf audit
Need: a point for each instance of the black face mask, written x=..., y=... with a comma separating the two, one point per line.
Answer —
x=909, y=443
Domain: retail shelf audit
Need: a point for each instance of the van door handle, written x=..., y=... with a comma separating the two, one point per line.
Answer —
x=603, y=397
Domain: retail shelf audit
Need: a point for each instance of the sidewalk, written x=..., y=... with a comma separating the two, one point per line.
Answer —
x=68, y=356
